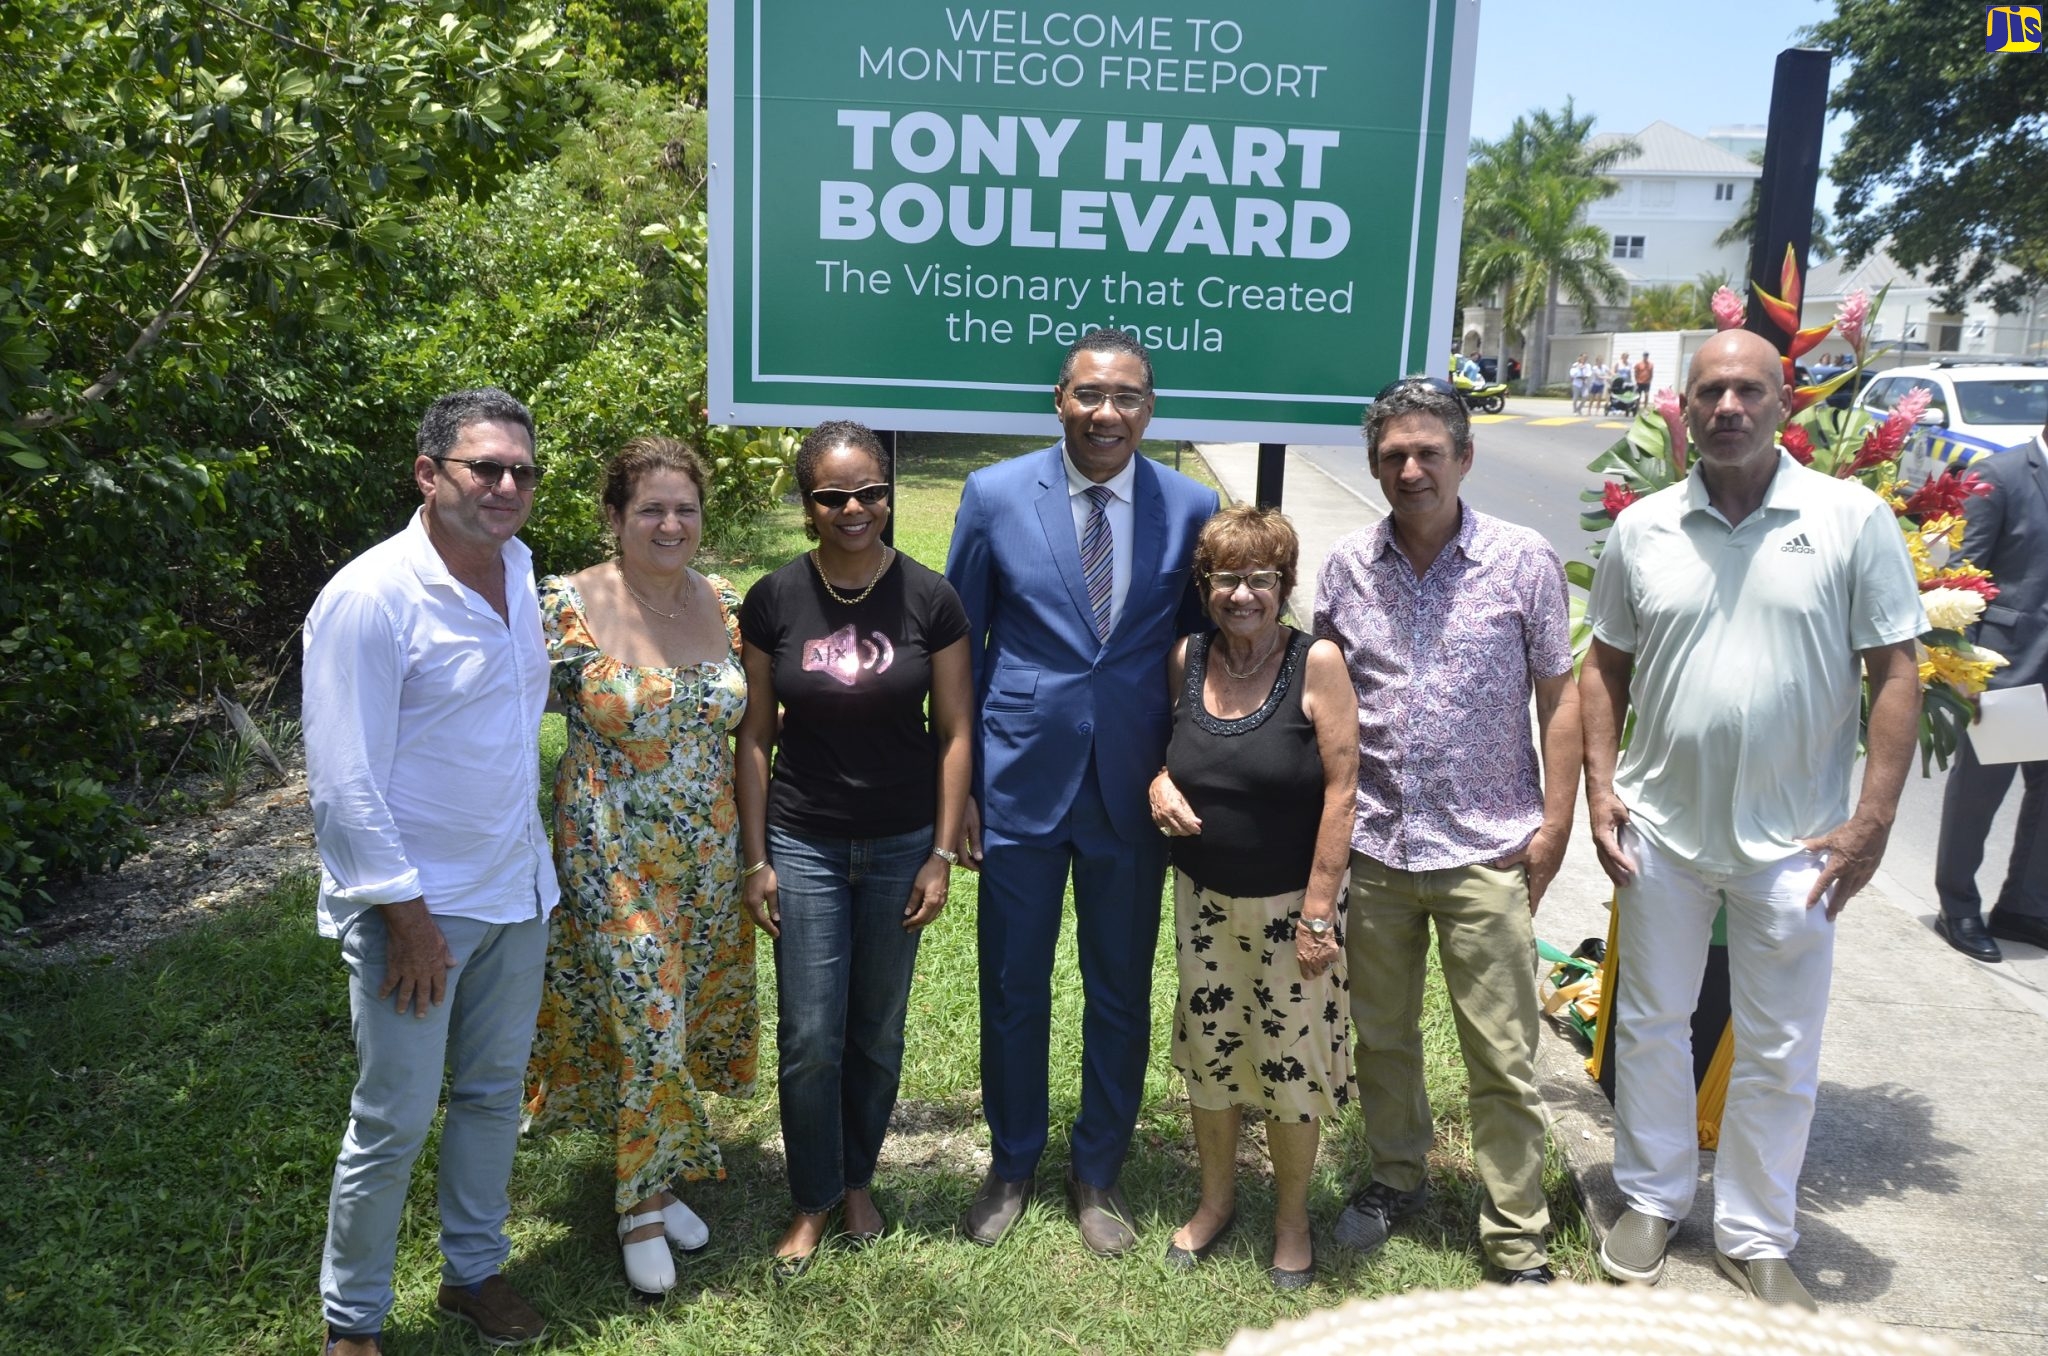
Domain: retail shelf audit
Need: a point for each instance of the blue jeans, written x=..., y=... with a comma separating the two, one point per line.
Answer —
x=842, y=979
x=479, y=1037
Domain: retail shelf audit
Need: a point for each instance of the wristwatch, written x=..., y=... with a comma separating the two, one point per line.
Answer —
x=1319, y=927
x=948, y=857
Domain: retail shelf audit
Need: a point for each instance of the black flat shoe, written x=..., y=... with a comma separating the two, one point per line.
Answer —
x=1967, y=935
x=1285, y=1280
x=1184, y=1259
x=856, y=1239
x=2018, y=927
x=788, y=1269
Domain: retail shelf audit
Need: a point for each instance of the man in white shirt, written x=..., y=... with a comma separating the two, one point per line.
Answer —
x=1738, y=612
x=425, y=675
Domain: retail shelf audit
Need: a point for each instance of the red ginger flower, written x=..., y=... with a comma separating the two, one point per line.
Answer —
x=1883, y=443
x=1729, y=312
x=1851, y=317
x=1665, y=403
x=1615, y=496
x=1798, y=444
x=1945, y=494
x=1969, y=579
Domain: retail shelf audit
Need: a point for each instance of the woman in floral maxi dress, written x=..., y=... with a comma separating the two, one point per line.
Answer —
x=649, y=1003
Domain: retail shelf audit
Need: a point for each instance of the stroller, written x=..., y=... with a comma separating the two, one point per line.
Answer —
x=1622, y=397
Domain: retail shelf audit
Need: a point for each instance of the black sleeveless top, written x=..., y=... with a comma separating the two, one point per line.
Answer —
x=1256, y=782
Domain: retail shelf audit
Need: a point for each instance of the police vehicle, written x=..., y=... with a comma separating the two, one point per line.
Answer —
x=1981, y=406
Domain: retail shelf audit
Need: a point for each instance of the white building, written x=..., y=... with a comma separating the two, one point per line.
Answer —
x=1669, y=203
x=1915, y=325
x=1671, y=199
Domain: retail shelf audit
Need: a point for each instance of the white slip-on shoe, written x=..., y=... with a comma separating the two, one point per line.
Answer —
x=650, y=1268
x=684, y=1229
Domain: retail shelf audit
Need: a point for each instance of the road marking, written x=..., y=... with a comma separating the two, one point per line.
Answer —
x=1611, y=424
x=1493, y=418
x=1554, y=422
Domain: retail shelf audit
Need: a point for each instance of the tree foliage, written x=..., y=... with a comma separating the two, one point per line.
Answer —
x=244, y=247
x=1945, y=162
x=1525, y=237
x=1742, y=230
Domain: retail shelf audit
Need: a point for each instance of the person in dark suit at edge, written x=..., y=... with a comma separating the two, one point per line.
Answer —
x=2005, y=532
x=1074, y=566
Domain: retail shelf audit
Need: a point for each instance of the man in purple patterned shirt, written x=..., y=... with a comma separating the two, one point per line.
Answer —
x=1449, y=620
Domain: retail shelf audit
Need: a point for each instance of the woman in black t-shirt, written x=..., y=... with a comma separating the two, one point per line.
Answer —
x=849, y=844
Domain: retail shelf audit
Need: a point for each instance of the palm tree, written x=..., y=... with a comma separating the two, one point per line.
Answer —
x=1525, y=240
x=1669, y=306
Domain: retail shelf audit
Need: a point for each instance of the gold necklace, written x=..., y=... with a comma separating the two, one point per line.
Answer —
x=839, y=597
x=635, y=594
x=1223, y=658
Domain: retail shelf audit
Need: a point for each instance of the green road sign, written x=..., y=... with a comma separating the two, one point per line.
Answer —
x=917, y=206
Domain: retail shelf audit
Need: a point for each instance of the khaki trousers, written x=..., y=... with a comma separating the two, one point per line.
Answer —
x=1488, y=949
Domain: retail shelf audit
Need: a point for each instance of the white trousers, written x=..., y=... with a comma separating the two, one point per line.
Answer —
x=1780, y=961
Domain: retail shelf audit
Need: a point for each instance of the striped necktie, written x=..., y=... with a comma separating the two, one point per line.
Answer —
x=1098, y=558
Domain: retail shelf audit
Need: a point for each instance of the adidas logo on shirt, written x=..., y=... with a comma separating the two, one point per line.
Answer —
x=1799, y=545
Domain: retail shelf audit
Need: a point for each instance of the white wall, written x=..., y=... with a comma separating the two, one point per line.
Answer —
x=1678, y=218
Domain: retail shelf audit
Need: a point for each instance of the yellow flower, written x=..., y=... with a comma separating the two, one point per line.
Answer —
x=1966, y=668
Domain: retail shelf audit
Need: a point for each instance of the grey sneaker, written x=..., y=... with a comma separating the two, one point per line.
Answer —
x=1634, y=1248
x=1373, y=1212
x=1769, y=1279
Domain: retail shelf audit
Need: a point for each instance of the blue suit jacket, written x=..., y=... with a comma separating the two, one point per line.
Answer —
x=2006, y=532
x=1047, y=691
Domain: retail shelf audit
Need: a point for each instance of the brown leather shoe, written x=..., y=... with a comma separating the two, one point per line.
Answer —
x=1104, y=1218
x=497, y=1312
x=995, y=1208
x=353, y=1346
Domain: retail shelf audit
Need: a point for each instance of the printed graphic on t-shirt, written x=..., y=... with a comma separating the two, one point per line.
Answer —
x=843, y=655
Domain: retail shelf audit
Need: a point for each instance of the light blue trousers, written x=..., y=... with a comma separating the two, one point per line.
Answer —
x=481, y=1033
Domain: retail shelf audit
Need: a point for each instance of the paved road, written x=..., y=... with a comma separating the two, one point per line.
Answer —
x=1529, y=467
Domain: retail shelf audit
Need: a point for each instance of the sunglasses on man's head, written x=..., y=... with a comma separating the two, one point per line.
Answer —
x=869, y=495
x=490, y=474
x=1437, y=384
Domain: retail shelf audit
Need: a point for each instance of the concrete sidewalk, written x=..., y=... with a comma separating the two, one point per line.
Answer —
x=1922, y=1204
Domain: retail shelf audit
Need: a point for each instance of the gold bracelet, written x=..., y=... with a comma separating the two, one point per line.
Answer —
x=761, y=865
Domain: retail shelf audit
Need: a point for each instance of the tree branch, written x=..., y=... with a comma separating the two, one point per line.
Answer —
x=273, y=34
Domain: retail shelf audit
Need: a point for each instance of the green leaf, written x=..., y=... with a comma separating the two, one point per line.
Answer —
x=32, y=461
x=1578, y=572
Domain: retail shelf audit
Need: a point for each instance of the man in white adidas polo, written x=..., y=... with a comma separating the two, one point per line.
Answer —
x=1736, y=612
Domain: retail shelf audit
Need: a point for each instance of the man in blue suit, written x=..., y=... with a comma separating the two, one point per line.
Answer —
x=1073, y=563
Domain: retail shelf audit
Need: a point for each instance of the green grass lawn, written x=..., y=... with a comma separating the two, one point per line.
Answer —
x=167, y=1130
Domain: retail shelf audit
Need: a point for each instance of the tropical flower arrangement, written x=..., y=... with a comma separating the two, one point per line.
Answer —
x=1848, y=444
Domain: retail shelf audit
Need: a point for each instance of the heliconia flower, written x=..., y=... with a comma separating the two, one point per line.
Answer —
x=1795, y=441
x=1784, y=308
x=1952, y=609
x=1665, y=403
x=1615, y=496
x=1945, y=494
x=1851, y=316
x=1729, y=312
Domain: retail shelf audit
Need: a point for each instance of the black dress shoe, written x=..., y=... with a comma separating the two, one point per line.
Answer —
x=1104, y=1218
x=2019, y=927
x=1540, y=1274
x=1184, y=1259
x=995, y=1208
x=1967, y=935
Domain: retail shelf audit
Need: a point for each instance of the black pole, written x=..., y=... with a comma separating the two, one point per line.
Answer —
x=1272, y=470
x=1784, y=208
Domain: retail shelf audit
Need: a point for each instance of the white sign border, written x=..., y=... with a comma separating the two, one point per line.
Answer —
x=719, y=324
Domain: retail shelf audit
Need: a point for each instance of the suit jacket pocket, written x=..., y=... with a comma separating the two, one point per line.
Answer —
x=1999, y=615
x=1012, y=689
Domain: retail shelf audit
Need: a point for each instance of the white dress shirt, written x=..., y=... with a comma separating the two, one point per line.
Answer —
x=1119, y=511
x=422, y=715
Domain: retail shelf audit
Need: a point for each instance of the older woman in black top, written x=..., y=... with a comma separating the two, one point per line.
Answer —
x=1257, y=796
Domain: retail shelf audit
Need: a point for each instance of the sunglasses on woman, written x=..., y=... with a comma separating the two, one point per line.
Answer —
x=869, y=495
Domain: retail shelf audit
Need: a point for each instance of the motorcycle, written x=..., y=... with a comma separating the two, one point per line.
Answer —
x=1488, y=397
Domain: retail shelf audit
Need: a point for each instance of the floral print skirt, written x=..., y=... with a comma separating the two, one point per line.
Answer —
x=1248, y=1030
